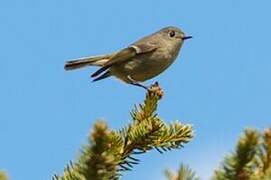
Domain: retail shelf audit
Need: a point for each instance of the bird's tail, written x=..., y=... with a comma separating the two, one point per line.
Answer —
x=87, y=61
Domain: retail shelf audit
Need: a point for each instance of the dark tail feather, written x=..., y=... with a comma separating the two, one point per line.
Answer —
x=99, y=71
x=103, y=76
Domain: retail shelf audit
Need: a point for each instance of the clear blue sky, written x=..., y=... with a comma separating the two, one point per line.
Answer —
x=220, y=83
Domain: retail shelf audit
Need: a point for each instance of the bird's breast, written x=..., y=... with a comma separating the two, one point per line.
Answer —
x=143, y=67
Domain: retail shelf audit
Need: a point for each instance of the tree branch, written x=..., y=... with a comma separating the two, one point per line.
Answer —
x=111, y=152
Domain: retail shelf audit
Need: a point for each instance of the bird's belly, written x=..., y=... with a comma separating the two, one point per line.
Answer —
x=140, y=69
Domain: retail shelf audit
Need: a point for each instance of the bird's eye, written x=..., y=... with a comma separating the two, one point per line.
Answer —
x=172, y=33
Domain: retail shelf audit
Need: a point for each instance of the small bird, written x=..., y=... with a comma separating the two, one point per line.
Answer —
x=141, y=61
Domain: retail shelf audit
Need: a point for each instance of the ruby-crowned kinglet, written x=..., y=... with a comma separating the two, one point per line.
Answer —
x=142, y=60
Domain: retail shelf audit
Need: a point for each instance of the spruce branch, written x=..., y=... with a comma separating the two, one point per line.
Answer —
x=265, y=151
x=3, y=175
x=263, y=160
x=97, y=160
x=239, y=165
x=184, y=173
x=251, y=159
x=110, y=152
x=148, y=131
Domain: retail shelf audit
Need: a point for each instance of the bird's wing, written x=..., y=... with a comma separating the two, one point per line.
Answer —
x=125, y=55
x=144, y=47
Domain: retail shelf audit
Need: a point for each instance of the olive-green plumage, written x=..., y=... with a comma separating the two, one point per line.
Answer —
x=142, y=60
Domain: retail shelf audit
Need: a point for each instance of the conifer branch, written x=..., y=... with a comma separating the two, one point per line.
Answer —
x=251, y=159
x=3, y=175
x=111, y=152
x=265, y=151
x=184, y=173
x=263, y=160
x=239, y=164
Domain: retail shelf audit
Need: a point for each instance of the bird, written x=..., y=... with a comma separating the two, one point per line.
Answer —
x=138, y=62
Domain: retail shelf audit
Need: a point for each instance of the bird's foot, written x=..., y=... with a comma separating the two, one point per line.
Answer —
x=135, y=83
x=139, y=85
x=153, y=89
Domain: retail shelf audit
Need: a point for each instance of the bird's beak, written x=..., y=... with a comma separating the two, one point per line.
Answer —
x=186, y=37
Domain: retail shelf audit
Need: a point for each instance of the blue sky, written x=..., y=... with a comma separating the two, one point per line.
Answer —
x=220, y=83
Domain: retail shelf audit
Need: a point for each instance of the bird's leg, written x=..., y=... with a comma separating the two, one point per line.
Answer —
x=135, y=83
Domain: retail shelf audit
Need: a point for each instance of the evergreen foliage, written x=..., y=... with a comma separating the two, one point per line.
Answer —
x=251, y=159
x=240, y=164
x=109, y=152
x=184, y=173
x=3, y=175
